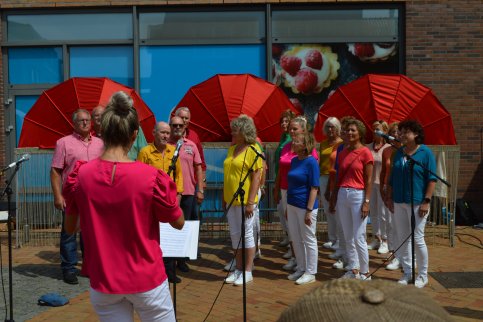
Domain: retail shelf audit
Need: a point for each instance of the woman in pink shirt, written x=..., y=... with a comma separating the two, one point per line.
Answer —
x=119, y=217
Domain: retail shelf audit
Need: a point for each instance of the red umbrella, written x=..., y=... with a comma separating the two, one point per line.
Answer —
x=50, y=118
x=216, y=101
x=392, y=98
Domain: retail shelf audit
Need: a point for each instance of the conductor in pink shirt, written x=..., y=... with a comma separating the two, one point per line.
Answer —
x=119, y=216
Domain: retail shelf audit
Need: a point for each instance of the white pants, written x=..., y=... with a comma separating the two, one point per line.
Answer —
x=349, y=207
x=283, y=204
x=331, y=220
x=153, y=305
x=234, y=217
x=303, y=238
x=256, y=220
x=392, y=238
x=402, y=216
x=378, y=213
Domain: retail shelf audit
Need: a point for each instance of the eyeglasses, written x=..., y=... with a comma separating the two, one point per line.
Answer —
x=82, y=120
x=177, y=125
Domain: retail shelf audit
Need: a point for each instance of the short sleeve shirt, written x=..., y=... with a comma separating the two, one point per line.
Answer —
x=351, y=167
x=285, y=161
x=303, y=175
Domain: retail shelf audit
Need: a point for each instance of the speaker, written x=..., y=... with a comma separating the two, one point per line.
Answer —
x=465, y=216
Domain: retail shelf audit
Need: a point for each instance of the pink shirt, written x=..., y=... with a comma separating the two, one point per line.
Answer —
x=377, y=155
x=193, y=136
x=351, y=167
x=120, y=222
x=73, y=148
x=286, y=157
x=189, y=156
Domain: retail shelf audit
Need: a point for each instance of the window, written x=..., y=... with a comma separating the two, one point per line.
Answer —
x=114, y=62
x=35, y=65
x=22, y=106
x=69, y=27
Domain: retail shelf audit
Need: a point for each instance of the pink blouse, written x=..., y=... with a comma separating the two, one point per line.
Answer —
x=286, y=157
x=120, y=205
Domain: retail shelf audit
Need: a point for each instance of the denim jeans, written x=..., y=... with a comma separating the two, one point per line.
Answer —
x=68, y=250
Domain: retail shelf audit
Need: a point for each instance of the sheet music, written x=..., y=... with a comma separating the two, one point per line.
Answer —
x=180, y=243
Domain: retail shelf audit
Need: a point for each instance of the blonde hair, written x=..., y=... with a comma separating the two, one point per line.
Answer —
x=247, y=128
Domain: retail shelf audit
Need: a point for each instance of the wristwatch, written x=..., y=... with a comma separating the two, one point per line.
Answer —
x=201, y=191
x=427, y=200
x=367, y=201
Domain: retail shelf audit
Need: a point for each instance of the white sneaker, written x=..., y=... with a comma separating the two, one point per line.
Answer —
x=339, y=264
x=335, y=246
x=288, y=254
x=327, y=244
x=394, y=265
x=290, y=265
x=305, y=279
x=295, y=276
x=383, y=249
x=248, y=278
x=284, y=242
x=363, y=277
x=258, y=254
x=230, y=267
x=348, y=275
x=336, y=255
x=373, y=245
x=405, y=279
x=421, y=281
x=232, y=277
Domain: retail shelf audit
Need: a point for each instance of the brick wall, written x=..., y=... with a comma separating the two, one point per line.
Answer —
x=444, y=52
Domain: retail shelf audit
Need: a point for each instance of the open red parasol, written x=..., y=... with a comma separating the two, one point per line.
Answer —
x=392, y=98
x=216, y=101
x=50, y=118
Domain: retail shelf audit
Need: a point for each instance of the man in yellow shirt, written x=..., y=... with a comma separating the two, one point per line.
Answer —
x=160, y=154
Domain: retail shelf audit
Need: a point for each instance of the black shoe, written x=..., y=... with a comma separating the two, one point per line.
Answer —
x=173, y=279
x=182, y=266
x=70, y=278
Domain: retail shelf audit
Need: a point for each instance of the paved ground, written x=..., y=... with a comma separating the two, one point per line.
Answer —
x=36, y=272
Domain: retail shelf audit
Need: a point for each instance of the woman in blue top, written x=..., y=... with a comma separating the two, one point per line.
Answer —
x=303, y=185
x=399, y=195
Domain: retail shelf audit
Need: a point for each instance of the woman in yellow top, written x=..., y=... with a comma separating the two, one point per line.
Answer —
x=238, y=161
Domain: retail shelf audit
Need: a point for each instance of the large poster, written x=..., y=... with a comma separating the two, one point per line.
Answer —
x=308, y=73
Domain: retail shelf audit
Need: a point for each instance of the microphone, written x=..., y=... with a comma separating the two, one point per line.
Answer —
x=24, y=158
x=178, y=146
x=384, y=135
x=257, y=152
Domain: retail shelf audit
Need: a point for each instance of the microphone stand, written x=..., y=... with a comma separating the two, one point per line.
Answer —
x=8, y=191
x=172, y=168
x=241, y=192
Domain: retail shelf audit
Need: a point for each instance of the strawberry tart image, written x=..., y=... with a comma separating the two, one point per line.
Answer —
x=309, y=69
x=372, y=52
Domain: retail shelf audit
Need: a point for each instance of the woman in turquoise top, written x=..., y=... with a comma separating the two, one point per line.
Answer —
x=399, y=192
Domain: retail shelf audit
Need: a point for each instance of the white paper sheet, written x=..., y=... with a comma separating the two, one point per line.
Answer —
x=180, y=243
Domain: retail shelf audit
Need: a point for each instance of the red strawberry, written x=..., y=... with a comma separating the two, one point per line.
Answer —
x=385, y=44
x=313, y=59
x=363, y=50
x=291, y=64
x=276, y=50
x=305, y=81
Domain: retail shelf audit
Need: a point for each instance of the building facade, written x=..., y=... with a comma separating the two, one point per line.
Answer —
x=161, y=48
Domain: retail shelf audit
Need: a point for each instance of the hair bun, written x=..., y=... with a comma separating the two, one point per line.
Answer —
x=122, y=103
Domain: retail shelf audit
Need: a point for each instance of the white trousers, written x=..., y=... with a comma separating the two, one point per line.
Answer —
x=303, y=238
x=402, y=216
x=378, y=213
x=234, y=217
x=153, y=305
x=349, y=207
x=256, y=220
x=283, y=205
x=331, y=220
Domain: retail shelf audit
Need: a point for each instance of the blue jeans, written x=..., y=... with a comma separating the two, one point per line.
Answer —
x=68, y=250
